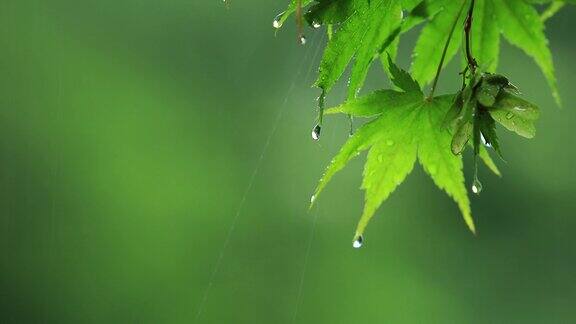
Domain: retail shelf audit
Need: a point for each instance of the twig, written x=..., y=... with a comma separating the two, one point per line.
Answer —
x=467, y=30
x=431, y=95
x=299, y=20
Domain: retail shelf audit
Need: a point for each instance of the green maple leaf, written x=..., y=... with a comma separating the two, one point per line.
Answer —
x=367, y=28
x=485, y=35
x=360, y=37
x=426, y=55
x=522, y=26
x=407, y=128
x=328, y=12
x=419, y=12
x=517, y=20
x=515, y=114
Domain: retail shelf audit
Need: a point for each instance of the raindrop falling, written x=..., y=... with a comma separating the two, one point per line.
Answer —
x=477, y=186
x=358, y=242
x=302, y=40
x=316, y=132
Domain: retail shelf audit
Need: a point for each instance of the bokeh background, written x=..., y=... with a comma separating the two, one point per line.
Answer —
x=156, y=167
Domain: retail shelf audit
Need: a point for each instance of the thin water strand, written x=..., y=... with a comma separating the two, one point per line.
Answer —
x=304, y=267
x=249, y=186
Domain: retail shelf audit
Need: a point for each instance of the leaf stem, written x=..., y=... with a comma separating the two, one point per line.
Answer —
x=299, y=20
x=321, y=107
x=467, y=30
x=431, y=95
x=552, y=9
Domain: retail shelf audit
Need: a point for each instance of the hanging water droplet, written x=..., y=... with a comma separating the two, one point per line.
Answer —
x=358, y=242
x=477, y=186
x=484, y=141
x=312, y=199
x=316, y=24
x=277, y=23
x=509, y=115
x=316, y=132
x=302, y=40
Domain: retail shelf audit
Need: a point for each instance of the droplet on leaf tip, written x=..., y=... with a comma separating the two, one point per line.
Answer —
x=316, y=132
x=358, y=242
x=484, y=141
x=277, y=23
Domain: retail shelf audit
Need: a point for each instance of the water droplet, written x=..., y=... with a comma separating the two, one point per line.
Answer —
x=316, y=132
x=316, y=24
x=484, y=141
x=358, y=242
x=302, y=40
x=477, y=187
x=389, y=142
x=312, y=199
x=509, y=115
x=277, y=23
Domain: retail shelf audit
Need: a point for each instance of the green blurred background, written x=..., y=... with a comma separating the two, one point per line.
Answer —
x=156, y=167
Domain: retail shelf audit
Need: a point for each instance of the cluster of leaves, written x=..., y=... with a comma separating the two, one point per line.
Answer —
x=407, y=125
x=368, y=28
x=486, y=99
